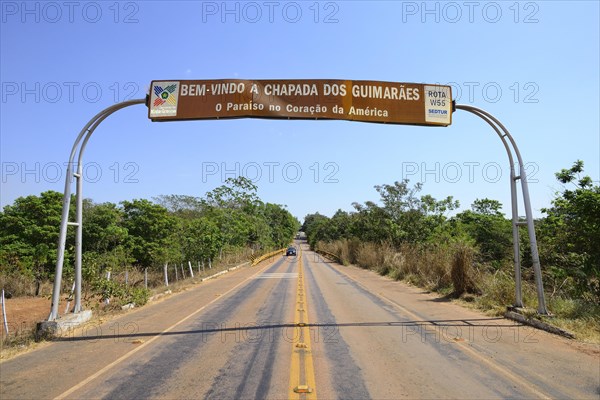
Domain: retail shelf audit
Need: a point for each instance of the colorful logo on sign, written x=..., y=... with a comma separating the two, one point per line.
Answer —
x=164, y=99
x=165, y=95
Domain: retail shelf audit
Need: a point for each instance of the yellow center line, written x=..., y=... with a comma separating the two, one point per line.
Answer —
x=302, y=371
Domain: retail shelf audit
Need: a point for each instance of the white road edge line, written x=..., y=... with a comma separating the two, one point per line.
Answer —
x=501, y=370
x=132, y=352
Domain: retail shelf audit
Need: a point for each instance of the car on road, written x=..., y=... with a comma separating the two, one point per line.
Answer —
x=291, y=251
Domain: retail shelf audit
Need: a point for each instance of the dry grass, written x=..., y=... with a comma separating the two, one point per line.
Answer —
x=461, y=273
x=23, y=286
x=373, y=256
x=576, y=316
x=425, y=265
x=451, y=269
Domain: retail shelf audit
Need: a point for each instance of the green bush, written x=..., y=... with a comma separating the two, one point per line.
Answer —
x=137, y=295
x=106, y=289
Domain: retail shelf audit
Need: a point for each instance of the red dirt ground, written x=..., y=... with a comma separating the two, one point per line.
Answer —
x=22, y=314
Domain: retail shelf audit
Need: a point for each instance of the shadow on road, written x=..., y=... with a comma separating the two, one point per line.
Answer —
x=212, y=328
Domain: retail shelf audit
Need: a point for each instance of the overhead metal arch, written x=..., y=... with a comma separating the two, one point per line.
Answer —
x=82, y=139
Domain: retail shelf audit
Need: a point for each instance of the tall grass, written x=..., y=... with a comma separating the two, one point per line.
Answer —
x=18, y=285
x=453, y=269
x=426, y=265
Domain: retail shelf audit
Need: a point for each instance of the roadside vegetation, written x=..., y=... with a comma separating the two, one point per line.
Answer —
x=127, y=247
x=469, y=256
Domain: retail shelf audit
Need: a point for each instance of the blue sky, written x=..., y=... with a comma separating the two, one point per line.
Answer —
x=534, y=65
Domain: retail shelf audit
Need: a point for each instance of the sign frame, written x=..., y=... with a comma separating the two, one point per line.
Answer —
x=304, y=99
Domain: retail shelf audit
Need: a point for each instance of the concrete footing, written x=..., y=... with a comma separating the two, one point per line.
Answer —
x=49, y=329
x=520, y=315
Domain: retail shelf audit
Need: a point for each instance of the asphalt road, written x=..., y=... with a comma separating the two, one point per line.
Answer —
x=302, y=324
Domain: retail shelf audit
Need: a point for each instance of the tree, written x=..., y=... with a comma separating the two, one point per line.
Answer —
x=282, y=224
x=103, y=227
x=309, y=221
x=201, y=239
x=571, y=231
x=182, y=206
x=236, y=193
x=314, y=226
x=29, y=232
x=412, y=219
x=234, y=207
x=486, y=207
x=489, y=228
x=398, y=199
x=181, y=228
x=403, y=217
x=371, y=223
x=104, y=239
x=150, y=227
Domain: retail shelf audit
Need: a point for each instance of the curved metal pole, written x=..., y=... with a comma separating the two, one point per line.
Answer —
x=87, y=129
x=79, y=212
x=514, y=209
x=526, y=200
x=514, y=212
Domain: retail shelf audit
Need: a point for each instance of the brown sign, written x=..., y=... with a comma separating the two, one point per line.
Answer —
x=366, y=101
